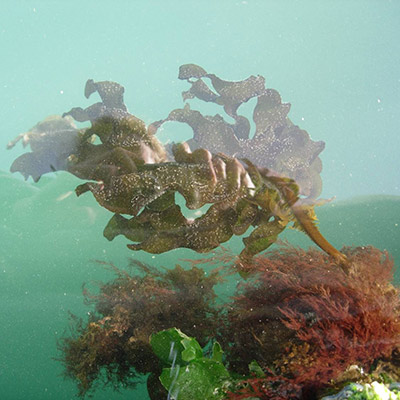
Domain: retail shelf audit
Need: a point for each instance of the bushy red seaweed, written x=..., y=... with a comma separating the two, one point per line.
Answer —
x=313, y=318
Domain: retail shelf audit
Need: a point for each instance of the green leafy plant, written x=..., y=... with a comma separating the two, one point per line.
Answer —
x=187, y=371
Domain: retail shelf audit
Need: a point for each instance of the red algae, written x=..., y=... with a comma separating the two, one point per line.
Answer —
x=306, y=317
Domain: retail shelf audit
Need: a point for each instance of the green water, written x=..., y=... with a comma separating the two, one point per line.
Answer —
x=336, y=62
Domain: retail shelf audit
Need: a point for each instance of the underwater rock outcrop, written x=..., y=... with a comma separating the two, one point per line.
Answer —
x=129, y=173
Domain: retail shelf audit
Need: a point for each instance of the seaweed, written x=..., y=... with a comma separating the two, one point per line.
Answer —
x=52, y=141
x=276, y=144
x=299, y=321
x=113, y=345
x=309, y=320
x=128, y=172
x=187, y=373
